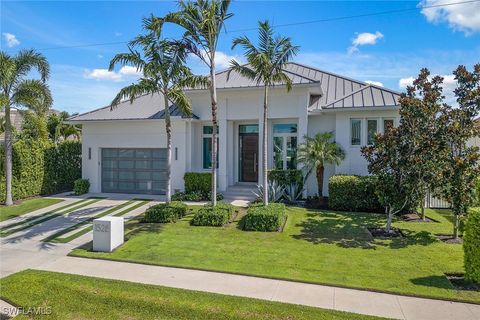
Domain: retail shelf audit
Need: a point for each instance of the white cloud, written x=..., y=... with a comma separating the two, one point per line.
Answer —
x=461, y=17
x=375, y=83
x=364, y=38
x=105, y=74
x=10, y=39
x=130, y=71
x=99, y=56
x=102, y=74
x=449, y=84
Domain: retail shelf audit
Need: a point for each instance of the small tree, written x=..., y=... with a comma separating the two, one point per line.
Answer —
x=266, y=61
x=386, y=162
x=462, y=161
x=420, y=128
x=315, y=152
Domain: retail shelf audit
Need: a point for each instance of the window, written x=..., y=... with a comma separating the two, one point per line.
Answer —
x=207, y=147
x=372, y=129
x=355, y=132
x=388, y=124
x=285, y=146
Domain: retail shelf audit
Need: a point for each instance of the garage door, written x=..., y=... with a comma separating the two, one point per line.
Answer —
x=134, y=170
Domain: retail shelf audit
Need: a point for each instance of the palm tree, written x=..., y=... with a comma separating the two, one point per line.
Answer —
x=163, y=68
x=59, y=130
x=315, y=152
x=266, y=63
x=203, y=20
x=19, y=92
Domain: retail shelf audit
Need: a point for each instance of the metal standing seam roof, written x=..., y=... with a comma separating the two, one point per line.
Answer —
x=337, y=92
x=144, y=107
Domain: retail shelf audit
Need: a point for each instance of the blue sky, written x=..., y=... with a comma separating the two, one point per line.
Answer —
x=388, y=49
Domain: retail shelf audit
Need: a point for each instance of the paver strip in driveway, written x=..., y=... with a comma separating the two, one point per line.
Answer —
x=342, y=299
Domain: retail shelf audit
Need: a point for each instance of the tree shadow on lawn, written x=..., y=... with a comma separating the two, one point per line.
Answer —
x=349, y=230
x=433, y=281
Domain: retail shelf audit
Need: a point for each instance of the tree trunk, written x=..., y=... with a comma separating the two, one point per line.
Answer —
x=320, y=171
x=388, y=227
x=423, y=210
x=456, y=226
x=168, y=129
x=265, y=147
x=8, y=157
x=213, y=97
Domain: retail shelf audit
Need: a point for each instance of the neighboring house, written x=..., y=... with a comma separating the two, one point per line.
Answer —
x=123, y=148
x=16, y=119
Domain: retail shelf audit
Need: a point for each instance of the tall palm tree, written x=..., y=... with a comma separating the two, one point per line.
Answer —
x=315, y=152
x=163, y=68
x=266, y=62
x=17, y=91
x=59, y=130
x=203, y=20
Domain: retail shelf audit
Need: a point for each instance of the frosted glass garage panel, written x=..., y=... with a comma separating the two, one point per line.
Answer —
x=141, y=171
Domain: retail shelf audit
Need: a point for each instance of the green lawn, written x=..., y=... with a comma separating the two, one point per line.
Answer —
x=25, y=206
x=78, y=297
x=316, y=246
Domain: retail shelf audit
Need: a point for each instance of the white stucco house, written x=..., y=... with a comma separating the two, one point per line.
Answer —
x=123, y=149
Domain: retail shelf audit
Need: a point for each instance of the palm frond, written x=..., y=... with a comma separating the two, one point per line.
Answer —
x=178, y=97
x=133, y=91
x=33, y=94
x=27, y=60
x=243, y=70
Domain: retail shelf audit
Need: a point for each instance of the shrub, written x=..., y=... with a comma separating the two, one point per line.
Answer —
x=353, y=193
x=164, y=213
x=216, y=216
x=471, y=245
x=198, y=182
x=81, y=186
x=286, y=177
x=269, y=218
x=40, y=167
x=194, y=196
x=477, y=193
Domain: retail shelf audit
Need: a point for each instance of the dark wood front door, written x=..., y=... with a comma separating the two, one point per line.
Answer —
x=249, y=157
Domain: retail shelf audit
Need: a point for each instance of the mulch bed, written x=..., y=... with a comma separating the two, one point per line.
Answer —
x=382, y=234
x=413, y=217
x=317, y=203
x=448, y=238
x=458, y=282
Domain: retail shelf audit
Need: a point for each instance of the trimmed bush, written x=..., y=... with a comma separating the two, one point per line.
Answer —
x=216, y=216
x=40, y=167
x=164, y=213
x=81, y=186
x=194, y=196
x=477, y=193
x=471, y=246
x=353, y=193
x=261, y=218
x=286, y=177
x=198, y=182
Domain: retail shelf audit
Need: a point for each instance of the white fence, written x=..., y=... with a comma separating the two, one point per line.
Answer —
x=436, y=203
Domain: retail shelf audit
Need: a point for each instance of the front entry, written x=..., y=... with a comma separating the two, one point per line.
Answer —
x=249, y=153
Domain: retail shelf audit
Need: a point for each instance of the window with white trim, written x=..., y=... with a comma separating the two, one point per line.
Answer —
x=285, y=146
x=207, y=147
x=355, y=132
x=372, y=130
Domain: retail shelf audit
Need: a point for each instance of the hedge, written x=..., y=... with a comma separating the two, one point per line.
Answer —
x=477, y=193
x=471, y=245
x=286, y=177
x=261, y=218
x=198, y=182
x=353, y=193
x=163, y=213
x=216, y=216
x=40, y=167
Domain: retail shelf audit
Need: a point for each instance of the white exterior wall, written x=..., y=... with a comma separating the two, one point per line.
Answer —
x=131, y=134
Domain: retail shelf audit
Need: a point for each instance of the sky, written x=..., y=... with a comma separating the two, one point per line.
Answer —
x=79, y=38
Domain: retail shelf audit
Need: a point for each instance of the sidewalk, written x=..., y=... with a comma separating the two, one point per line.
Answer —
x=357, y=301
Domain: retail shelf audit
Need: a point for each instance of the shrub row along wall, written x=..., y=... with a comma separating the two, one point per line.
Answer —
x=40, y=167
x=353, y=193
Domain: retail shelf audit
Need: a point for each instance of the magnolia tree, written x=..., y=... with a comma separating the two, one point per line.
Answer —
x=461, y=167
x=421, y=129
x=386, y=162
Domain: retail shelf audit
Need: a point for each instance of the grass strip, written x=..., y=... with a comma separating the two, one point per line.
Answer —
x=11, y=225
x=26, y=206
x=57, y=236
x=79, y=297
x=51, y=215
